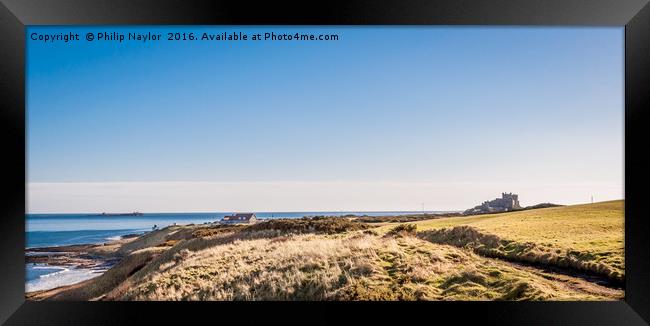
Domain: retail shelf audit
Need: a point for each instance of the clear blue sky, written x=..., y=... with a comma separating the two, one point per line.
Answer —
x=534, y=107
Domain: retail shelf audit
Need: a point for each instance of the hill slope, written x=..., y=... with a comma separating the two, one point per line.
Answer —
x=340, y=259
x=588, y=237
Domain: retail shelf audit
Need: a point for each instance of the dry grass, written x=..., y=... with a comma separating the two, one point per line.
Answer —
x=403, y=230
x=357, y=266
x=158, y=237
x=171, y=235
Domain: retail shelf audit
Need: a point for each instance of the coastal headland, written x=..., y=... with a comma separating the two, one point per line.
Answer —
x=553, y=253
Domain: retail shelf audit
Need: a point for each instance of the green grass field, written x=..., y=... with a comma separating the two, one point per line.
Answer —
x=592, y=233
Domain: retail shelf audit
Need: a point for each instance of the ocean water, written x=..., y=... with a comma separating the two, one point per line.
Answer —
x=50, y=230
x=47, y=230
x=36, y=239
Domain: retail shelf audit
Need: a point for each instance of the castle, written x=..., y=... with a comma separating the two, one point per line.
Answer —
x=507, y=202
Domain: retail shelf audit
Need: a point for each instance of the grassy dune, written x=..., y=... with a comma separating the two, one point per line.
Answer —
x=354, y=266
x=587, y=237
x=343, y=259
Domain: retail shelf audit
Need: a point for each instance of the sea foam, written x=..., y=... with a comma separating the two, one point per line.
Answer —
x=62, y=277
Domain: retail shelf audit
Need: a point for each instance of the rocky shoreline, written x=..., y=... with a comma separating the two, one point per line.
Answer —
x=75, y=256
x=99, y=257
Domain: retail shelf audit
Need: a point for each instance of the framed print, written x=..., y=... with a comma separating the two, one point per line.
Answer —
x=339, y=162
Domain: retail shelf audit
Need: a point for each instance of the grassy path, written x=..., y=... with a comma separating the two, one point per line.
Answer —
x=583, y=238
x=572, y=281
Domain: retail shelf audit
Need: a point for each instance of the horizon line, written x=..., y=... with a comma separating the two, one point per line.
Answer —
x=300, y=211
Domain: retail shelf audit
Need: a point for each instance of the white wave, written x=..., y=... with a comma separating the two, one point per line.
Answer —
x=46, y=266
x=60, y=271
x=66, y=276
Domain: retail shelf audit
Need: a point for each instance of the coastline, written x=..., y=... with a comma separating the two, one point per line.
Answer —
x=355, y=258
x=55, y=257
x=86, y=261
x=505, y=256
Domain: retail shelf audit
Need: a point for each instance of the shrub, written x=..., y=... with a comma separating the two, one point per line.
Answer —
x=318, y=225
x=403, y=230
x=214, y=230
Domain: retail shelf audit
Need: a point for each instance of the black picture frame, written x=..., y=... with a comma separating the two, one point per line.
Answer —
x=15, y=15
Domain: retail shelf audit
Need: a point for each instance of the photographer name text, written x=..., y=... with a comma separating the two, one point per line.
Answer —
x=178, y=37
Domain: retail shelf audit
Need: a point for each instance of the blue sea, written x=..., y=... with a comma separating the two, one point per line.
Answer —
x=50, y=230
